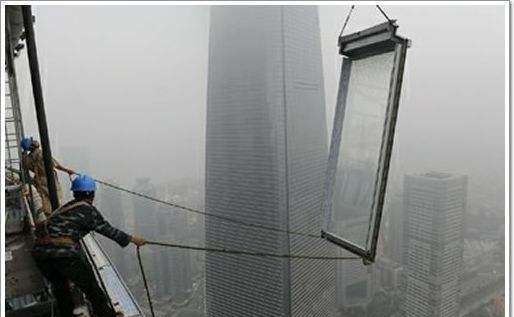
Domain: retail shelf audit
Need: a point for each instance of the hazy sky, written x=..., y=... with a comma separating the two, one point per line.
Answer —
x=128, y=83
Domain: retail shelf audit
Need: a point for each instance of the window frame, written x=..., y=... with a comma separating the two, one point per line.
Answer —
x=379, y=39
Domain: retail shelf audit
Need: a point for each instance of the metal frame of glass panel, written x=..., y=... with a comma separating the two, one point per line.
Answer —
x=377, y=40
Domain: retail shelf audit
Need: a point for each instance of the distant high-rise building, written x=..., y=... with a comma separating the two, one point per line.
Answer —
x=388, y=273
x=111, y=208
x=182, y=273
x=434, y=207
x=392, y=226
x=174, y=271
x=145, y=220
x=266, y=161
x=165, y=265
x=173, y=265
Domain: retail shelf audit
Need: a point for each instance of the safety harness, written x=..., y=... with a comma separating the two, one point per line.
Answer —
x=43, y=235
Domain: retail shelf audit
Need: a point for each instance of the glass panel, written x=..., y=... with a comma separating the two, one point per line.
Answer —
x=361, y=139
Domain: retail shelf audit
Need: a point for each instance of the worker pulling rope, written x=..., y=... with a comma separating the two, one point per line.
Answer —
x=217, y=250
x=91, y=188
x=228, y=219
x=228, y=251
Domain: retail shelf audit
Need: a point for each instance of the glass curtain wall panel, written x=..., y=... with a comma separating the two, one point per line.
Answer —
x=362, y=137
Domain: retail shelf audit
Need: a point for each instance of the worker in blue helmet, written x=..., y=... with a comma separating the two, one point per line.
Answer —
x=26, y=144
x=58, y=252
x=32, y=159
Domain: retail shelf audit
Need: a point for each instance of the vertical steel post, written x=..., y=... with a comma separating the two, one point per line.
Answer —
x=39, y=104
x=15, y=103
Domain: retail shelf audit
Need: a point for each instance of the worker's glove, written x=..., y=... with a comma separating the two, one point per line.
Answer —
x=139, y=241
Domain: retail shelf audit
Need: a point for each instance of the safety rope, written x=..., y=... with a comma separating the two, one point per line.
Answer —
x=228, y=219
x=346, y=20
x=217, y=250
x=384, y=14
x=350, y=13
x=145, y=281
x=226, y=251
x=259, y=254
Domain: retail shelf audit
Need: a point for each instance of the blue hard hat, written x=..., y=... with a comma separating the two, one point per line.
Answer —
x=83, y=183
x=26, y=143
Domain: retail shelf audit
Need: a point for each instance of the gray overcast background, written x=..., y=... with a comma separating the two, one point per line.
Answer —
x=128, y=83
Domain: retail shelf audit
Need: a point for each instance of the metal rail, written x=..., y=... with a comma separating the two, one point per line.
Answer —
x=119, y=294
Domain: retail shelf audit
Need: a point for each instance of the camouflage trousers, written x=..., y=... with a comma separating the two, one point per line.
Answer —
x=45, y=197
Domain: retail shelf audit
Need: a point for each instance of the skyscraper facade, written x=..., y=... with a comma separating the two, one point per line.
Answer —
x=266, y=153
x=434, y=205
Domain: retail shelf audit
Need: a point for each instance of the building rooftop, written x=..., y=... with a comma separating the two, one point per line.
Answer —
x=439, y=175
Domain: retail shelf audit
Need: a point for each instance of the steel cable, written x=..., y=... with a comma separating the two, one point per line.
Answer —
x=226, y=251
x=217, y=250
x=145, y=282
x=228, y=219
x=346, y=20
x=384, y=14
x=350, y=13
x=251, y=253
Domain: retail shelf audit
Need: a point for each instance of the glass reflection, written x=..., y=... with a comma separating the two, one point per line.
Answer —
x=360, y=149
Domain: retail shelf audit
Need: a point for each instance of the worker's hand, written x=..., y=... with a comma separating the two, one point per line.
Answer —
x=139, y=241
x=70, y=172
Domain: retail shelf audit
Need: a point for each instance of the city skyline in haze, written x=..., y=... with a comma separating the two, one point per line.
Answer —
x=155, y=99
x=138, y=106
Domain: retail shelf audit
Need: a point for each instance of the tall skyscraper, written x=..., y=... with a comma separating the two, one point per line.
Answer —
x=266, y=158
x=435, y=204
